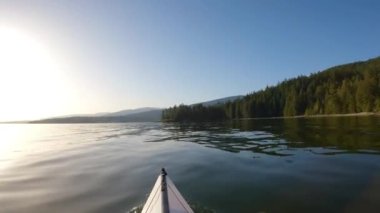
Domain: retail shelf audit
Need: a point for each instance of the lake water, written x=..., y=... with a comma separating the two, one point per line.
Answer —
x=291, y=165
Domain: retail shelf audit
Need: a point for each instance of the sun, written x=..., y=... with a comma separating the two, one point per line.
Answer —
x=31, y=81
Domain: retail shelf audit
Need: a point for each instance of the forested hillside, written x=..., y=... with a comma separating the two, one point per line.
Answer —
x=349, y=88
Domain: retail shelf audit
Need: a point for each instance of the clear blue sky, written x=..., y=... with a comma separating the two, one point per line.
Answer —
x=128, y=54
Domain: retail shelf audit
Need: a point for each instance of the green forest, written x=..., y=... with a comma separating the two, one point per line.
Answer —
x=349, y=88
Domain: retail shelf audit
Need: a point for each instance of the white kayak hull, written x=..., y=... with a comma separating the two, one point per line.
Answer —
x=165, y=198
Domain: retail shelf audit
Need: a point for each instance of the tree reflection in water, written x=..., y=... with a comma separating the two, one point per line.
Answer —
x=282, y=137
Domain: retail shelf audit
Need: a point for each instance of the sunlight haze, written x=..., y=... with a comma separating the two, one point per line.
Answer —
x=31, y=82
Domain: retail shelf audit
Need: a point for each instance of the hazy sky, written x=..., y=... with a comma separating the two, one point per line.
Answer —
x=67, y=57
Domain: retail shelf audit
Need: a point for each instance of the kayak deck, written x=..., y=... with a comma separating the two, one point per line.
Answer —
x=165, y=197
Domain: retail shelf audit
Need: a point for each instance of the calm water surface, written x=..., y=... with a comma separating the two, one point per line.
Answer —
x=292, y=165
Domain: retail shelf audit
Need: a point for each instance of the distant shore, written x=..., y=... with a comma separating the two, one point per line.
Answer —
x=318, y=116
x=261, y=118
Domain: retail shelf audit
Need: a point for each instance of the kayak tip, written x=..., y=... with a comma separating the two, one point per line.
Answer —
x=163, y=172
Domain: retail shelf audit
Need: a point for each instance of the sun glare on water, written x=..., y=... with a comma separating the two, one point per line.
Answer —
x=31, y=82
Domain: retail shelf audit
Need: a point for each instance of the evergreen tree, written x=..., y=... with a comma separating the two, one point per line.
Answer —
x=349, y=88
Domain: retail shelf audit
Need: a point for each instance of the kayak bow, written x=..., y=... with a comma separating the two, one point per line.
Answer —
x=165, y=197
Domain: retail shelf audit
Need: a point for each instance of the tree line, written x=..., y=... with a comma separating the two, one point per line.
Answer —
x=349, y=88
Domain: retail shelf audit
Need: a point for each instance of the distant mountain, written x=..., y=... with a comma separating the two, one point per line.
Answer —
x=82, y=115
x=220, y=101
x=144, y=116
x=111, y=114
x=131, y=111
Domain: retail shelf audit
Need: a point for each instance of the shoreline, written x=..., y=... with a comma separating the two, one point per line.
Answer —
x=359, y=114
